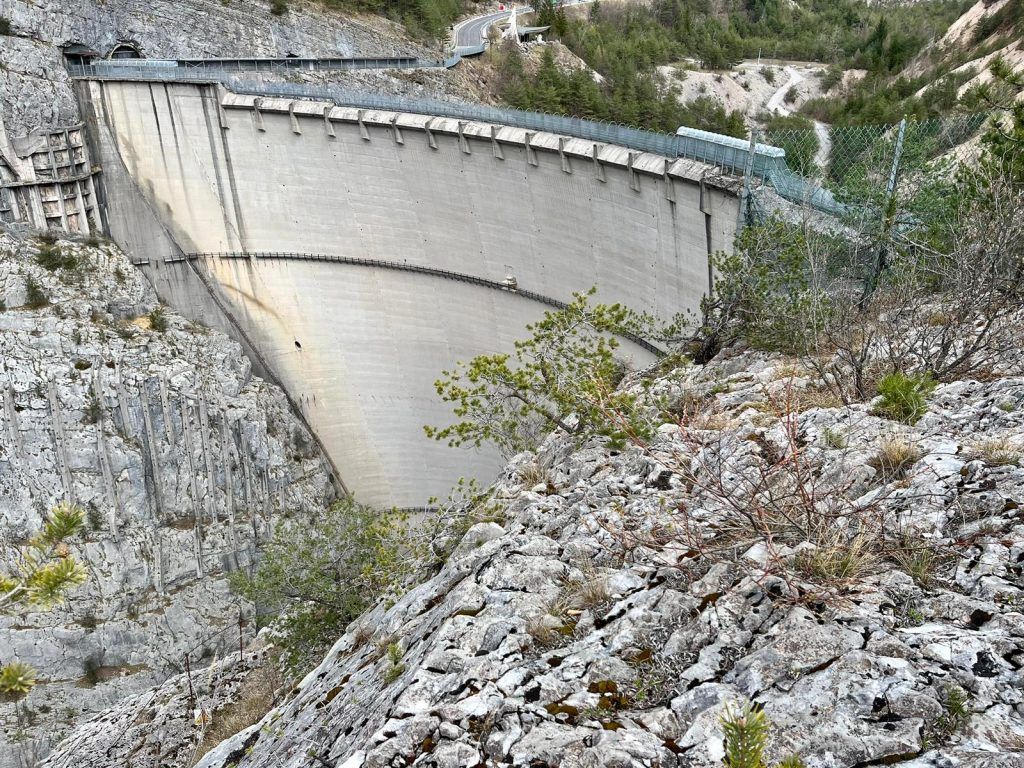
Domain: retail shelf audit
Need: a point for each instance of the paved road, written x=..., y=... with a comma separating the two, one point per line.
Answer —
x=776, y=104
x=472, y=32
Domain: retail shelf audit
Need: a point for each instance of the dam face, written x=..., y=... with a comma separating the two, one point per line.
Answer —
x=357, y=254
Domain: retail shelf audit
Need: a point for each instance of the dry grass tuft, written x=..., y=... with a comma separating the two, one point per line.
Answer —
x=997, y=451
x=834, y=438
x=816, y=397
x=543, y=630
x=917, y=558
x=533, y=475
x=836, y=560
x=896, y=454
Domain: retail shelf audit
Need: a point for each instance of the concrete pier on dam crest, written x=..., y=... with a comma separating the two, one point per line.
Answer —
x=287, y=223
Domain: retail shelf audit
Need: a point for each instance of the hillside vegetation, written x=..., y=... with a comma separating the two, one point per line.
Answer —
x=946, y=76
x=625, y=43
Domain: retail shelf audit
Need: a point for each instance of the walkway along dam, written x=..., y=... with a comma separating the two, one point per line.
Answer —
x=358, y=252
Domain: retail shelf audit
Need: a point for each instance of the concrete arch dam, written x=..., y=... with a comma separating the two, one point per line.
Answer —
x=358, y=253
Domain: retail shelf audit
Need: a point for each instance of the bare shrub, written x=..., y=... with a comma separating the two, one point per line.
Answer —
x=933, y=287
x=786, y=510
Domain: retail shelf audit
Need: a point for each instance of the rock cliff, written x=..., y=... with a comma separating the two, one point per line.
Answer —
x=35, y=91
x=859, y=579
x=181, y=458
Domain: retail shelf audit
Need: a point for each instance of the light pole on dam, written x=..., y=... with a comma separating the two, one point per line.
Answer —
x=357, y=253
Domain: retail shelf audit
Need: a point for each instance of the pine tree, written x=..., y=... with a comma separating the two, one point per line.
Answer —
x=39, y=574
x=746, y=737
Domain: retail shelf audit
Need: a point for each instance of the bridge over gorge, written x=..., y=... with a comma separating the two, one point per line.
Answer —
x=357, y=250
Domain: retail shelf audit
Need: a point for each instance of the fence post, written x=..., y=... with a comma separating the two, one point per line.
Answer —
x=746, y=215
x=241, y=649
x=897, y=155
x=191, y=690
x=888, y=218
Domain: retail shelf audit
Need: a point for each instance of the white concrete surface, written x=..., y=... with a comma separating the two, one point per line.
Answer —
x=187, y=167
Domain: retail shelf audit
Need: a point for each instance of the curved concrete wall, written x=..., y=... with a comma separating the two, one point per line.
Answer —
x=192, y=168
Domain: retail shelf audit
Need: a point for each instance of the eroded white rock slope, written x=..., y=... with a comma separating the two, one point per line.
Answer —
x=35, y=89
x=619, y=607
x=180, y=456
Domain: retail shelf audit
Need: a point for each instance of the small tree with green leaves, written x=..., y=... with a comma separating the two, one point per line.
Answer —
x=38, y=574
x=317, y=575
x=565, y=375
x=1005, y=139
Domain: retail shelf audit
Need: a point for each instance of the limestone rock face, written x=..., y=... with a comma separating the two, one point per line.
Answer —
x=182, y=459
x=619, y=608
x=34, y=85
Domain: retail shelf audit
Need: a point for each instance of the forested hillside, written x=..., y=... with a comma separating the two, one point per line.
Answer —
x=896, y=56
x=941, y=78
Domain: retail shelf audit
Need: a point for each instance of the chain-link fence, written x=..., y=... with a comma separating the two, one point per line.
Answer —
x=860, y=173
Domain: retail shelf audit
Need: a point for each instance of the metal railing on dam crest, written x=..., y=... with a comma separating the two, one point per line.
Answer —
x=726, y=153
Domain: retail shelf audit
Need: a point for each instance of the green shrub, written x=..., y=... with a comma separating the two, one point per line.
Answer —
x=395, y=665
x=95, y=518
x=35, y=296
x=93, y=410
x=278, y=7
x=316, y=575
x=904, y=398
x=158, y=319
x=5, y=26
x=746, y=739
x=50, y=257
x=91, y=670
x=956, y=714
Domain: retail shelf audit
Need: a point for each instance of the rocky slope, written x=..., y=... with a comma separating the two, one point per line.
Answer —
x=35, y=90
x=858, y=578
x=181, y=458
